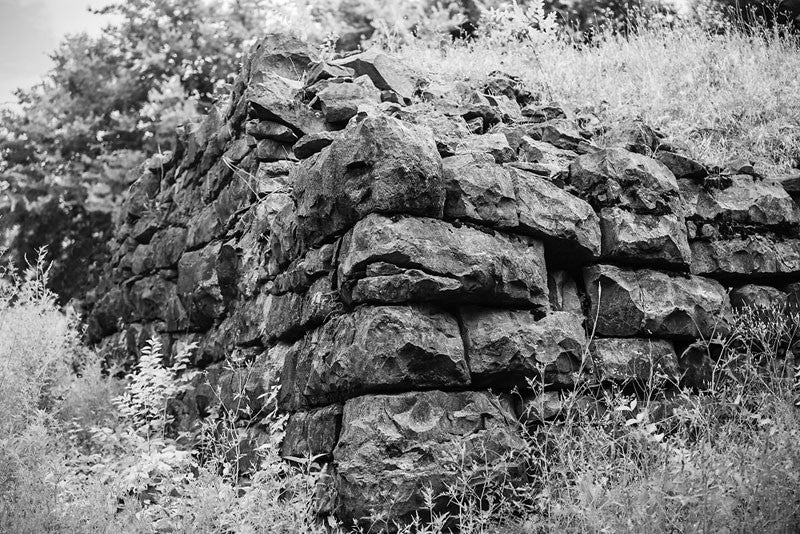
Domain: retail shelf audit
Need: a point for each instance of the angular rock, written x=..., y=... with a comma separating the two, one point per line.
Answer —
x=406, y=285
x=290, y=314
x=563, y=134
x=616, y=177
x=553, y=158
x=379, y=164
x=549, y=212
x=385, y=71
x=744, y=201
x=269, y=150
x=166, y=247
x=325, y=71
x=504, y=347
x=207, y=282
x=270, y=130
x=645, y=302
x=310, y=144
x=374, y=349
x=340, y=101
x=448, y=131
x=682, y=166
x=546, y=112
x=496, y=145
x=505, y=269
x=154, y=298
x=634, y=136
x=648, y=240
x=627, y=360
x=394, y=446
x=281, y=54
x=758, y=297
x=480, y=190
x=313, y=433
x=273, y=99
x=760, y=256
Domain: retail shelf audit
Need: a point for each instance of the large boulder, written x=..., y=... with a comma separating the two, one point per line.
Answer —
x=645, y=302
x=393, y=447
x=616, y=177
x=505, y=269
x=374, y=350
x=378, y=164
x=506, y=347
x=637, y=239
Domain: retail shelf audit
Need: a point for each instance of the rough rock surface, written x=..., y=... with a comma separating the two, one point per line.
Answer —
x=393, y=446
x=505, y=346
x=374, y=349
x=645, y=302
x=382, y=248
x=376, y=165
x=616, y=177
x=633, y=238
x=506, y=269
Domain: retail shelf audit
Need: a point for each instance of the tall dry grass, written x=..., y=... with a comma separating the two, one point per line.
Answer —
x=728, y=95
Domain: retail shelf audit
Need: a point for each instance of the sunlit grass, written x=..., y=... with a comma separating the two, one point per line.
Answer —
x=731, y=95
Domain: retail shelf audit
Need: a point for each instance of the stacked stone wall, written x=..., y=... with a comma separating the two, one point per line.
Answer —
x=405, y=255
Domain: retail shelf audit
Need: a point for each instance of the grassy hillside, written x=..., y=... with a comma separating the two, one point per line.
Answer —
x=727, y=95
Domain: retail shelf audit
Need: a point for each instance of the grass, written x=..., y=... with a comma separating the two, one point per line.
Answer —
x=727, y=95
x=89, y=453
x=82, y=452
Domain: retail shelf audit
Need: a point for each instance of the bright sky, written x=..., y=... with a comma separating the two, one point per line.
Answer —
x=30, y=30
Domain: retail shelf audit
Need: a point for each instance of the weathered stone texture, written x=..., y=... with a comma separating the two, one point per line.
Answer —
x=374, y=349
x=394, y=446
x=616, y=177
x=506, y=269
x=636, y=239
x=652, y=303
x=377, y=165
x=506, y=347
x=381, y=248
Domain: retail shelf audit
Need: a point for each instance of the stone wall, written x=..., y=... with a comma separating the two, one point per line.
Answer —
x=405, y=254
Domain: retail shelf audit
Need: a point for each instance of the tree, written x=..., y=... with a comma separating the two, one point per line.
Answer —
x=108, y=101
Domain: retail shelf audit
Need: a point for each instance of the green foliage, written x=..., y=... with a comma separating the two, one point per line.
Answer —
x=151, y=387
x=36, y=344
x=66, y=153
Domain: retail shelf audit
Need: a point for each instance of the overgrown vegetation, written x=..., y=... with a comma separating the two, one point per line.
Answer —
x=87, y=452
x=82, y=451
